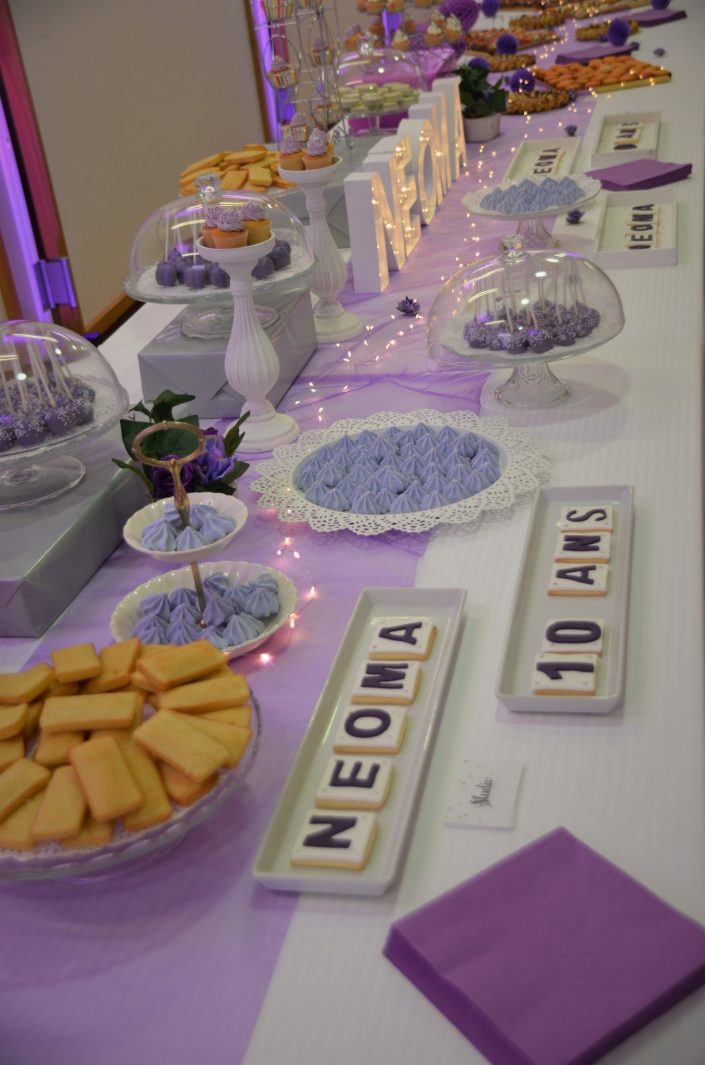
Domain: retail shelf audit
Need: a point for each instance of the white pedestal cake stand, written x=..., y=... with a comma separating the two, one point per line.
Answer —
x=251, y=363
x=332, y=321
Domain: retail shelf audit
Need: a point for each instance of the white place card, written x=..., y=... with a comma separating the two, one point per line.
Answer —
x=484, y=795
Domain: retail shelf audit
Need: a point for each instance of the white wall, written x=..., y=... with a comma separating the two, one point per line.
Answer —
x=127, y=93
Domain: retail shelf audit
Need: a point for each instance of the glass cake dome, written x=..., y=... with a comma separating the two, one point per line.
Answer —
x=524, y=308
x=382, y=81
x=165, y=266
x=56, y=390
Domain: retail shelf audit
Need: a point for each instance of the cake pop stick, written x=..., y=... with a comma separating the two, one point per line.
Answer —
x=20, y=376
x=39, y=373
x=5, y=388
x=59, y=369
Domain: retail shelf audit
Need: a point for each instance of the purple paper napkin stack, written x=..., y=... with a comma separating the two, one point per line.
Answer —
x=551, y=957
x=594, y=51
x=640, y=174
x=657, y=17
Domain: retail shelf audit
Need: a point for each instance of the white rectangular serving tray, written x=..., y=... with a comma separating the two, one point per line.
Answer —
x=525, y=163
x=533, y=606
x=605, y=154
x=444, y=606
x=615, y=209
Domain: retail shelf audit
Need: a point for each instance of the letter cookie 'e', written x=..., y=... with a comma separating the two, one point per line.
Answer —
x=357, y=782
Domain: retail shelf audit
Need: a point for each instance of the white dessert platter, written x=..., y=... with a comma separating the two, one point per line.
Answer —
x=533, y=607
x=531, y=226
x=444, y=608
x=523, y=468
x=126, y=613
x=589, y=187
x=611, y=147
x=529, y=153
x=227, y=506
x=51, y=861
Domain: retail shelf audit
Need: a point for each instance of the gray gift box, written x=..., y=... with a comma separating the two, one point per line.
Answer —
x=184, y=364
x=49, y=551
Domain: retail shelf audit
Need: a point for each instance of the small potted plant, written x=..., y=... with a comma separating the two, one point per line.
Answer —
x=216, y=470
x=482, y=102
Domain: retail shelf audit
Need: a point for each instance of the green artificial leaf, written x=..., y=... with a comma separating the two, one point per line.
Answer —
x=129, y=428
x=134, y=468
x=163, y=406
x=234, y=436
x=141, y=409
x=218, y=486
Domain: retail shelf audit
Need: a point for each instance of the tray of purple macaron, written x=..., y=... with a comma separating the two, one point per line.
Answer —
x=245, y=603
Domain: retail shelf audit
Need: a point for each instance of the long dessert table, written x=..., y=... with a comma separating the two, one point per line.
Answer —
x=187, y=959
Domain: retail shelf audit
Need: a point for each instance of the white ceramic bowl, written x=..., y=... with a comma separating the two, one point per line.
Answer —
x=228, y=506
x=127, y=612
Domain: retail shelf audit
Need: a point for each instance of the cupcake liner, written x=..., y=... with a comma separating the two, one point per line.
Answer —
x=323, y=58
x=228, y=238
x=283, y=79
x=257, y=232
x=291, y=162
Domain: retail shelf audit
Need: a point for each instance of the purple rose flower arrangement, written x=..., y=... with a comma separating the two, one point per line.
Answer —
x=215, y=470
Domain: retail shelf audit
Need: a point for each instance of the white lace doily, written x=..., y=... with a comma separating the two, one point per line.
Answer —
x=523, y=466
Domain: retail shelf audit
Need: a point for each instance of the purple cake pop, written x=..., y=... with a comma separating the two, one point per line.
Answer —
x=30, y=429
x=263, y=268
x=60, y=419
x=166, y=274
x=476, y=335
x=82, y=411
x=280, y=255
x=540, y=341
x=565, y=334
x=7, y=431
x=195, y=277
x=516, y=344
x=219, y=277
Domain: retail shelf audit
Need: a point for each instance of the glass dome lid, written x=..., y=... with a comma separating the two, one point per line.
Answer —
x=165, y=266
x=55, y=387
x=379, y=80
x=523, y=306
